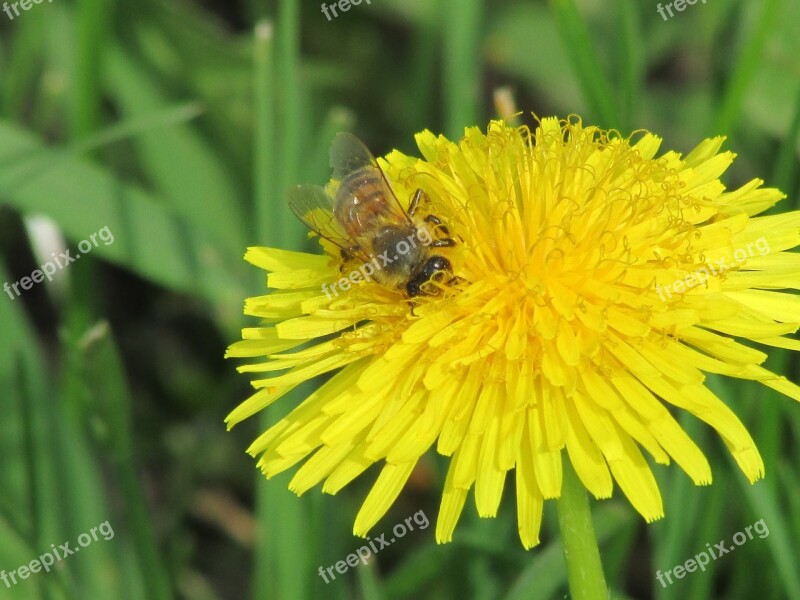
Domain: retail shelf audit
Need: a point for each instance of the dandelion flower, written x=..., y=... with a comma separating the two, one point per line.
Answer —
x=601, y=283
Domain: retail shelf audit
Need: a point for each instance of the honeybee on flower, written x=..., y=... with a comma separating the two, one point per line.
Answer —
x=362, y=216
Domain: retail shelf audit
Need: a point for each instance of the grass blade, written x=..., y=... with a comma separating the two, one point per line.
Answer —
x=744, y=70
x=92, y=17
x=283, y=565
x=461, y=23
x=576, y=41
x=105, y=381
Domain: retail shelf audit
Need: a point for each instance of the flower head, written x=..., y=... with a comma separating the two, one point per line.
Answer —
x=597, y=285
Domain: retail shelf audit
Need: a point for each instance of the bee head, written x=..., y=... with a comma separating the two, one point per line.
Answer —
x=433, y=269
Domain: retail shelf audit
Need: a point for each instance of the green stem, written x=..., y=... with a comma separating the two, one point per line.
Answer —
x=584, y=569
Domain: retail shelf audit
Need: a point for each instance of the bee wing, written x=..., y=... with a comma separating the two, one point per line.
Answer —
x=349, y=154
x=314, y=207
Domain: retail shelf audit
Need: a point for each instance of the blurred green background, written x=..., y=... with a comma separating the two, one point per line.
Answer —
x=177, y=125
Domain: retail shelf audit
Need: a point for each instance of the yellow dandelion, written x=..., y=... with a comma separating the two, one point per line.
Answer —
x=594, y=285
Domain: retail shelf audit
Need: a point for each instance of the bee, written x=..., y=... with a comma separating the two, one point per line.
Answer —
x=360, y=213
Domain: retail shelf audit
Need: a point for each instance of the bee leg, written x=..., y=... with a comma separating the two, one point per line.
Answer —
x=433, y=219
x=438, y=222
x=414, y=204
x=411, y=305
x=443, y=243
x=345, y=259
x=455, y=280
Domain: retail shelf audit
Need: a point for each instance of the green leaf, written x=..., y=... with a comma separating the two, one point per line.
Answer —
x=149, y=239
x=182, y=166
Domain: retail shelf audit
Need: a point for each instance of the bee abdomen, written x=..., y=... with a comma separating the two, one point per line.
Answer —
x=362, y=202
